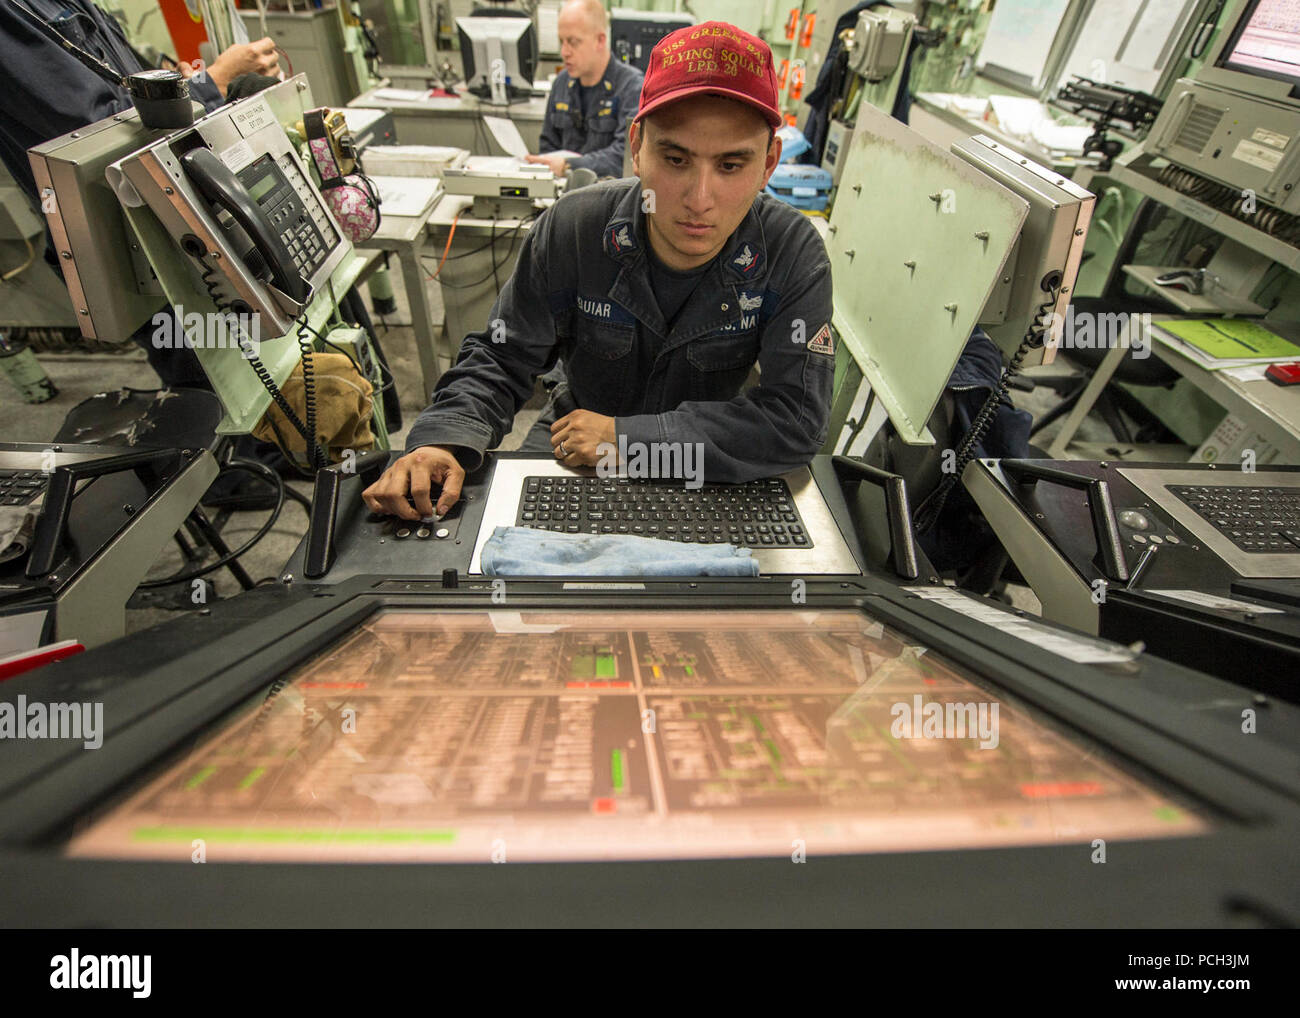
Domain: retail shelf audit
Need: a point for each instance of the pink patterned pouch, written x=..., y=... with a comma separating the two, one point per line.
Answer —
x=352, y=199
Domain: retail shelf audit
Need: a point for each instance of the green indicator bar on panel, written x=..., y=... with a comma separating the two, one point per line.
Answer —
x=606, y=666
x=251, y=777
x=285, y=835
x=200, y=777
x=616, y=766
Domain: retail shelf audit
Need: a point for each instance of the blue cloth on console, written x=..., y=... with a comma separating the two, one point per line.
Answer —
x=522, y=551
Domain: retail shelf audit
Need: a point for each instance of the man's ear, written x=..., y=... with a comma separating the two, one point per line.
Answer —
x=773, y=159
x=634, y=139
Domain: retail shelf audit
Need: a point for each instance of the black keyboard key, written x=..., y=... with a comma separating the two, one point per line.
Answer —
x=743, y=514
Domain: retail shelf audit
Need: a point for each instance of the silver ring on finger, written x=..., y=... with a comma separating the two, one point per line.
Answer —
x=564, y=453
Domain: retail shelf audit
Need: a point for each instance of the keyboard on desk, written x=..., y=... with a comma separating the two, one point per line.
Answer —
x=1254, y=519
x=21, y=487
x=759, y=514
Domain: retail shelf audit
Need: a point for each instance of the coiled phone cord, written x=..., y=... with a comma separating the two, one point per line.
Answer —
x=307, y=431
x=928, y=512
x=314, y=454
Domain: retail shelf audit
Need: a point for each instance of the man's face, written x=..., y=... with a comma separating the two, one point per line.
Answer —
x=705, y=159
x=582, y=47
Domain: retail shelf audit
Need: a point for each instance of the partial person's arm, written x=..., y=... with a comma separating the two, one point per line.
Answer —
x=209, y=88
x=46, y=91
x=781, y=423
x=608, y=161
x=474, y=404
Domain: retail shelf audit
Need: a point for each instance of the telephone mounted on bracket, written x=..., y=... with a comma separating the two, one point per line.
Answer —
x=233, y=194
x=271, y=254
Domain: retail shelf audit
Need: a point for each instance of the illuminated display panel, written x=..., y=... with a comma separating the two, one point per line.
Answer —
x=1269, y=42
x=262, y=188
x=540, y=735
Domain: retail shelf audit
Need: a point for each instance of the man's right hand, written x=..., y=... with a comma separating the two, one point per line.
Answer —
x=416, y=473
x=245, y=58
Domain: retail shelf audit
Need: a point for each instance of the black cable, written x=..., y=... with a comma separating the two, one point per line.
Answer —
x=315, y=456
x=304, y=473
x=298, y=497
x=928, y=512
x=472, y=251
x=1203, y=35
x=255, y=362
x=513, y=234
x=254, y=467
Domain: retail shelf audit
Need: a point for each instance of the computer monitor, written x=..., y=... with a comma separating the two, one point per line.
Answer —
x=499, y=56
x=437, y=735
x=1234, y=122
x=1265, y=42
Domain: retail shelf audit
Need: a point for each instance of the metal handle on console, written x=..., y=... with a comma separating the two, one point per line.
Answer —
x=323, y=524
x=1104, y=528
x=52, y=524
x=1175, y=121
x=902, y=539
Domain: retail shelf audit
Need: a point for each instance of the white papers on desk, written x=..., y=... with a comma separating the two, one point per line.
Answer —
x=1062, y=137
x=505, y=164
x=406, y=196
x=507, y=136
x=1016, y=116
x=972, y=107
x=1248, y=373
x=400, y=95
x=358, y=118
x=413, y=160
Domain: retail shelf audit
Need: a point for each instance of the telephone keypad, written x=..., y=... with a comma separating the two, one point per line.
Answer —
x=293, y=209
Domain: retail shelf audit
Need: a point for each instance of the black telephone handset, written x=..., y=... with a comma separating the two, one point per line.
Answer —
x=220, y=186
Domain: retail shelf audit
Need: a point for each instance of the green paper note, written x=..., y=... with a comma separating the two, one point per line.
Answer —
x=1231, y=338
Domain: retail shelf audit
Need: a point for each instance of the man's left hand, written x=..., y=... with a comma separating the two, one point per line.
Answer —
x=581, y=433
x=558, y=164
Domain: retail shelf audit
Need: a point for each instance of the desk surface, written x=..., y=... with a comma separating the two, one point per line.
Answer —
x=1272, y=409
x=461, y=106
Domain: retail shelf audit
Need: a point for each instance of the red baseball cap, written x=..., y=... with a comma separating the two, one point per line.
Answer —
x=713, y=58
